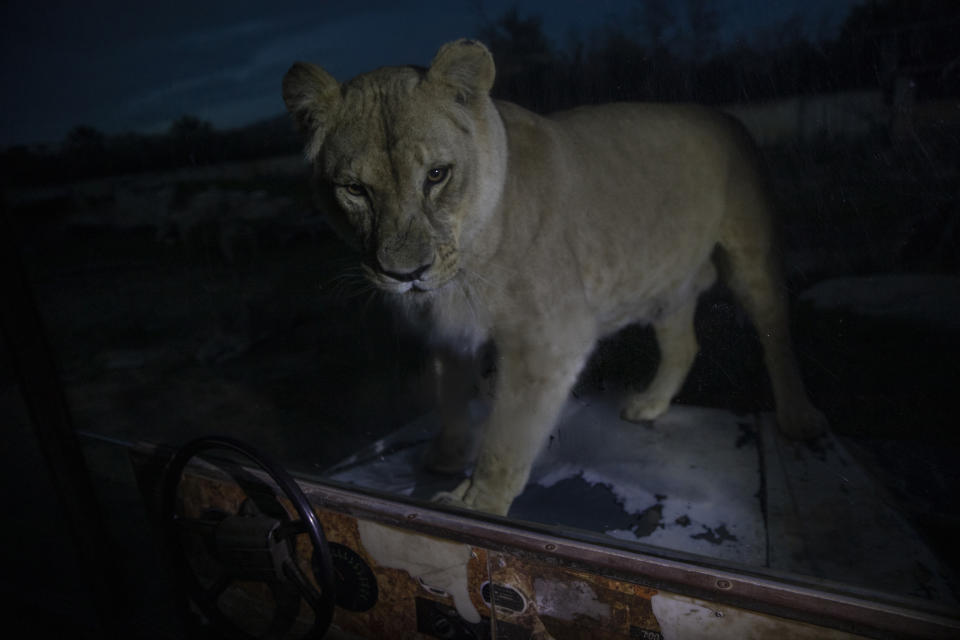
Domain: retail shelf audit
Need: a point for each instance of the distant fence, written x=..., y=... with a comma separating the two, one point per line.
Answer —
x=96, y=188
x=808, y=118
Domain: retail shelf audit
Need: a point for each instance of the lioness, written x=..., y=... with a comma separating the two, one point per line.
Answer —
x=486, y=221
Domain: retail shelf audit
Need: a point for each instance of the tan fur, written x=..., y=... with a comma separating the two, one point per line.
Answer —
x=544, y=234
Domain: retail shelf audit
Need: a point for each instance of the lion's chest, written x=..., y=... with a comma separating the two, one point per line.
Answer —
x=454, y=317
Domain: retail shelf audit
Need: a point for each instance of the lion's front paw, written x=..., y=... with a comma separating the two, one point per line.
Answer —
x=802, y=421
x=644, y=407
x=454, y=497
x=472, y=495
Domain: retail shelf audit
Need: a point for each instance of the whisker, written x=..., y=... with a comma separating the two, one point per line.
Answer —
x=469, y=300
x=349, y=283
x=374, y=294
x=483, y=279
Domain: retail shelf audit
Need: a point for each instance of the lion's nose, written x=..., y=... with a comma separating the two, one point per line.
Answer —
x=407, y=276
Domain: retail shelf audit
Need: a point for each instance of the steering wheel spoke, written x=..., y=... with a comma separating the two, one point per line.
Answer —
x=252, y=545
x=287, y=531
x=208, y=596
x=203, y=527
x=307, y=591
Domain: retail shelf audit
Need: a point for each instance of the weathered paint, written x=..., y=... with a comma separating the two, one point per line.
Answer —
x=685, y=618
x=559, y=602
x=570, y=599
x=570, y=604
x=439, y=564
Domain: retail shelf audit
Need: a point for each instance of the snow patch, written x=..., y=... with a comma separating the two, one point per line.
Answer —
x=689, y=481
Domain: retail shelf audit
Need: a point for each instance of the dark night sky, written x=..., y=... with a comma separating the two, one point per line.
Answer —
x=123, y=66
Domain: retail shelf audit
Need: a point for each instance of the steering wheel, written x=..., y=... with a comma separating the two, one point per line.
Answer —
x=255, y=545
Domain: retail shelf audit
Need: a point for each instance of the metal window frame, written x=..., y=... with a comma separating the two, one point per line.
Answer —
x=814, y=601
x=35, y=372
x=818, y=602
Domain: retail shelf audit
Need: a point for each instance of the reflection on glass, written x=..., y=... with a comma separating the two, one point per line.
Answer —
x=190, y=286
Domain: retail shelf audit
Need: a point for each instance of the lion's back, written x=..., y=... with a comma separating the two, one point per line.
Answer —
x=637, y=191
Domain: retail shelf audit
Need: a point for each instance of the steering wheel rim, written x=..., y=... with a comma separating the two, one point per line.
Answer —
x=322, y=562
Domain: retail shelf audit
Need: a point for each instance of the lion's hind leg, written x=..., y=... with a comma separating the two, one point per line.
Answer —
x=754, y=276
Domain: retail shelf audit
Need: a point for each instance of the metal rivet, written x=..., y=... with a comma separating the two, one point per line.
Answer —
x=550, y=546
x=724, y=584
x=411, y=516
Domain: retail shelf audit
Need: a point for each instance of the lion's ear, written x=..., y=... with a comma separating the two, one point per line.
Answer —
x=465, y=66
x=311, y=95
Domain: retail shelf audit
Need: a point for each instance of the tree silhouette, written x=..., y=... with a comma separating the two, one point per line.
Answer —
x=84, y=141
x=84, y=152
x=883, y=39
x=524, y=59
x=656, y=53
x=192, y=141
x=658, y=21
x=704, y=22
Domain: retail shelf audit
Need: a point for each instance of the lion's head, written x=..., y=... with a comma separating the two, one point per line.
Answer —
x=407, y=162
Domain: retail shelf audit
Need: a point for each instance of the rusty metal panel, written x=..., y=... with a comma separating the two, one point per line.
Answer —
x=560, y=603
x=403, y=582
x=405, y=605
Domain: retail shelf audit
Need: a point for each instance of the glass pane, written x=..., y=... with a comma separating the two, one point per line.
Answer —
x=195, y=276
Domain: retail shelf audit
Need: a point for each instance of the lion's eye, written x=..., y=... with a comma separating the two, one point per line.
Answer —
x=355, y=189
x=437, y=174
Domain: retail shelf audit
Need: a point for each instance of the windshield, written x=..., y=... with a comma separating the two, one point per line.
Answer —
x=197, y=274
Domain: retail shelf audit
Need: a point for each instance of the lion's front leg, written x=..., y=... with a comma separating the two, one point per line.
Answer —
x=531, y=388
x=678, y=348
x=457, y=377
